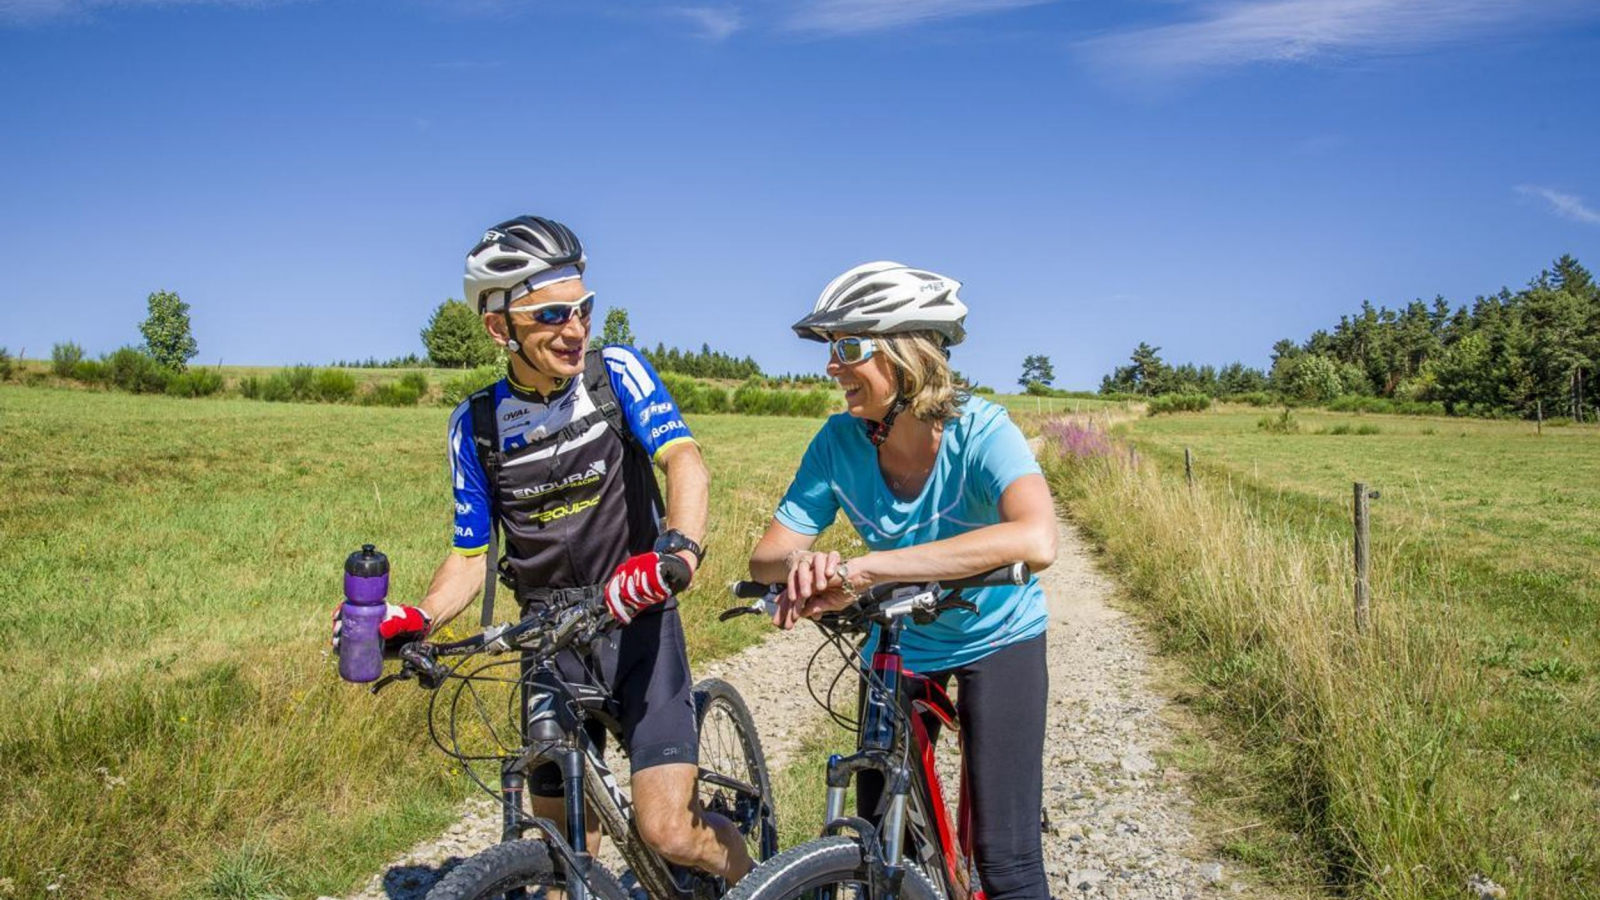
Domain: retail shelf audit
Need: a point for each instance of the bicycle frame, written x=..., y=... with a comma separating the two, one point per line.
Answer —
x=554, y=712
x=916, y=804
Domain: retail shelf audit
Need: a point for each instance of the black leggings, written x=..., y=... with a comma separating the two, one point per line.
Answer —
x=1000, y=704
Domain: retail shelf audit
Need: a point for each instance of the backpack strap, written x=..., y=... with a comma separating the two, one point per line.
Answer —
x=597, y=383
x=486, y=440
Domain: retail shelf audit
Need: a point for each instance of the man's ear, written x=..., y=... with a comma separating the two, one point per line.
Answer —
x=496, y=324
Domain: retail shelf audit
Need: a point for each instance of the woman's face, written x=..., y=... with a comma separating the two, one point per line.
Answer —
x=869, y=385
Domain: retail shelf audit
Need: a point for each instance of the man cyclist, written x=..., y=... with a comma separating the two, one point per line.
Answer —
x=577, y=504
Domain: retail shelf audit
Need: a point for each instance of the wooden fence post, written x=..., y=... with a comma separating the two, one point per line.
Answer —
x=1539, y=406
x=1363, y=587
x=1188, y=467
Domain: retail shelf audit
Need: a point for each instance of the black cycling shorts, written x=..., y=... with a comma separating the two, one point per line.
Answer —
x=645, y=667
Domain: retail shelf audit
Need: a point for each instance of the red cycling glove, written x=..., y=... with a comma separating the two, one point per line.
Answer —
x=400, y=625
x=636, y=584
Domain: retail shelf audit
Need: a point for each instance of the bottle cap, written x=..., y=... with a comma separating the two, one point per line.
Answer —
x=367, y=563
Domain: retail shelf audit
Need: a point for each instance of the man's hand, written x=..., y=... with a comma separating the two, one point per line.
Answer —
x=640, y=582
x=400, y=625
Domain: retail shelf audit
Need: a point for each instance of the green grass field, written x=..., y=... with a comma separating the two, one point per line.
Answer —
x=1459, y=736
x=173, y=725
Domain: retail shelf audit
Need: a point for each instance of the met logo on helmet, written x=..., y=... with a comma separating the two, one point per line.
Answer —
x=492, y=235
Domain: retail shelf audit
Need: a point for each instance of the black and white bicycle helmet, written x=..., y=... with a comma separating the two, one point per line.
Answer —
x=500, y=267
x=886, y=298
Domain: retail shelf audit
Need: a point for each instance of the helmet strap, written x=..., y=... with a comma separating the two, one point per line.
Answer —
x=878, y=432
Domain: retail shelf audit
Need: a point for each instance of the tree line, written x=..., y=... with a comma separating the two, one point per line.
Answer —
x=1530, y=352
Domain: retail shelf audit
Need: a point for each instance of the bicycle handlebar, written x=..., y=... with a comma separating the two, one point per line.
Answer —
x=765, y=595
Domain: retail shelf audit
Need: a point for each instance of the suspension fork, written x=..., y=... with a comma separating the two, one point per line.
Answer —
x=555, y=724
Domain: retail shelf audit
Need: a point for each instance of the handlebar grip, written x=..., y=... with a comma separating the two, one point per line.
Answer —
x=675, y=572
x=1011, y=574
x=753, y=590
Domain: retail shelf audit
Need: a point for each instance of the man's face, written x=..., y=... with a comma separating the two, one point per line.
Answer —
x=555, y=350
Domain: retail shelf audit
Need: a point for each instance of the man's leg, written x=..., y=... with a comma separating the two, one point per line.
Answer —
x=654, y=689
x=672, y=822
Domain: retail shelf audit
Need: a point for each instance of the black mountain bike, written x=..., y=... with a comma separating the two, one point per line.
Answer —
x=541, y=718
x=911, y=850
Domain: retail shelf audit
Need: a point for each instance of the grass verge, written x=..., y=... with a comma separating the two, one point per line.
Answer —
x=1406, y=759
x=172, y=724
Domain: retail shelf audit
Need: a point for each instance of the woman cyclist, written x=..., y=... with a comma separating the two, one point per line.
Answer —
x=939, y=485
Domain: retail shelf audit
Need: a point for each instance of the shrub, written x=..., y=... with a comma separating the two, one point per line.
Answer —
x=391, y=393
x=458, y=387
x=1283, y=423
x=1174, y=403
x=332, y=386
x=250, y=387
x=278, y=388
x=983, y=389
x=89, y=371
x=417, y=381
x=195, y=383
x=134, y=370
x=64, y=358
x=5, y=364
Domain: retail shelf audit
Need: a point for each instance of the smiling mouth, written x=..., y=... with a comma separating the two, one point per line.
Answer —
x=852, y=390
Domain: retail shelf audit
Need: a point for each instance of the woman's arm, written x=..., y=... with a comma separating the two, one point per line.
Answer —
x=1026, y=532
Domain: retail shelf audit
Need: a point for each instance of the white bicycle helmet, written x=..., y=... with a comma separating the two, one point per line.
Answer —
x=886, y=298
x=513, y=254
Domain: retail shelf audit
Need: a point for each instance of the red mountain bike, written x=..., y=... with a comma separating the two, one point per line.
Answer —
x=911, y=850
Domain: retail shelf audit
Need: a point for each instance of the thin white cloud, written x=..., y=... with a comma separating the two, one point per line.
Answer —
x=1238, y=32
x=1567, y=206
x=858, y=16
x=710, y=22
x=25, y=12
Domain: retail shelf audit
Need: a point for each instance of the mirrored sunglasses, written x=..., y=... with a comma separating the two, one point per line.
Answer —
x=559, y=313
x=852, y=350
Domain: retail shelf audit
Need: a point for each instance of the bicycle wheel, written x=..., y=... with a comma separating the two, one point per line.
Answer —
x=830, y=868
x=518, y=869
x=733, y=771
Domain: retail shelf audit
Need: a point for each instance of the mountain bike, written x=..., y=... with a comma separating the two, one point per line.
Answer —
x=544, y=720
x=910, y=851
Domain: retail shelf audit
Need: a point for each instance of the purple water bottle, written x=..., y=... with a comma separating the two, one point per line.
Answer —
x=366, y=585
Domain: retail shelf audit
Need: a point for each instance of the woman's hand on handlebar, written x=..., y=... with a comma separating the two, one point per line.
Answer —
x=815, y=586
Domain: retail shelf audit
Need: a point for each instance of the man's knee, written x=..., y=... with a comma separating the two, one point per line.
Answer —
x=662, y=798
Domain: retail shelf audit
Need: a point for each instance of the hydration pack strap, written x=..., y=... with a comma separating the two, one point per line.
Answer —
x=597, y=383
x=486, y=440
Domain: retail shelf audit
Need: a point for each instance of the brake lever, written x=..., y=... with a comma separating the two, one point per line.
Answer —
x=956, y=603
x=762, y=606
x=387, y=680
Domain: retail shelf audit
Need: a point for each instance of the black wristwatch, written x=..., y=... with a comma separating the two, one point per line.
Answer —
x=673, y=541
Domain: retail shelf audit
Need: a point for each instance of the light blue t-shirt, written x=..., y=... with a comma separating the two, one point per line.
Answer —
x=980, y=454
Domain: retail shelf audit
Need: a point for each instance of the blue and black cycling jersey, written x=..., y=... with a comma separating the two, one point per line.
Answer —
x=572, y=510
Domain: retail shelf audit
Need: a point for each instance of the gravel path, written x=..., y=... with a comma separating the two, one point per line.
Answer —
x=1118, y=824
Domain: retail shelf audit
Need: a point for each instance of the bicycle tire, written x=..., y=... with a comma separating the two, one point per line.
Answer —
x=828, y=867
x=737, y=756
x=518, y=866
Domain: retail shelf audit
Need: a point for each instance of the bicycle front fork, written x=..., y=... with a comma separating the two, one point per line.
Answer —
x=896, y=783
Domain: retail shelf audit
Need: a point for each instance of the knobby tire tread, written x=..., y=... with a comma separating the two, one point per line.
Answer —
x=516, y=864
x=829, y=860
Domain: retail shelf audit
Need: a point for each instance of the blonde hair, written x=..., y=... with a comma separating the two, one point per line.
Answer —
x=927, y=383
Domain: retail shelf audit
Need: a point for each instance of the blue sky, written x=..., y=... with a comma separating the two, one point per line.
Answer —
x=1206, y=176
